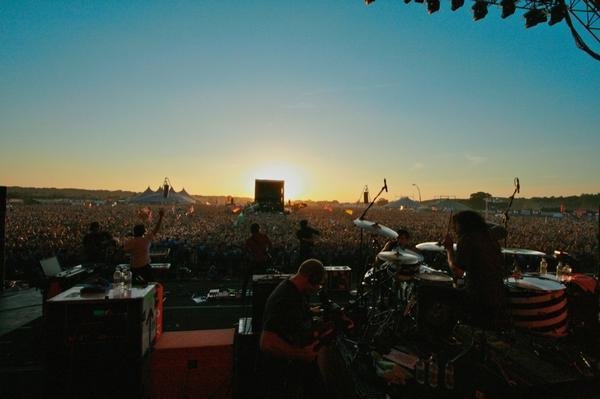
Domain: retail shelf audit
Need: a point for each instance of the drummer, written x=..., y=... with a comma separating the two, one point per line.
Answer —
x=404, y=272
x=400, y=242
x=478, y=254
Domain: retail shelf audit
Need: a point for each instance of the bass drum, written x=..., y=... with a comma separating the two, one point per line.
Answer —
x=538, y=305
x=437, y=303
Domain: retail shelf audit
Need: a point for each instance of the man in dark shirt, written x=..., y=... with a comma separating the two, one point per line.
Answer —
x=96, y=244
x=479, y=260
x=287, y=342
x=258, y=247
x=306, y=236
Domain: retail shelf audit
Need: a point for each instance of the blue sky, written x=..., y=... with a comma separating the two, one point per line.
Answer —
x=328, y=95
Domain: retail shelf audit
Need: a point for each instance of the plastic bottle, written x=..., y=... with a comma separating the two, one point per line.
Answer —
x=127, y=278
x=433, y=371
x=543, y=266
x=559, y=269
x=420, y=371
x=117, y=278
x=449, y=375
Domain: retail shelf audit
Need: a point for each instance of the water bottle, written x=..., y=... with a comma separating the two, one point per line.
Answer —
x=127, y=278
x=559, y=269
x=420, y=371
x=117, y=278
x=449, y=375
x=543, y=266
x=433, y=371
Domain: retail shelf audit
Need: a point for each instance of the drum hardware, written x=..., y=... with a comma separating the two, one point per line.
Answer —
x=374, y=227
x=360, y=222
x=401, y=256
x=520, y=251
x=432, y=246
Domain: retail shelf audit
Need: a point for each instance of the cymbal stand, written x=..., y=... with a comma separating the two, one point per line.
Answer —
x=512, y=197
x=362, y=261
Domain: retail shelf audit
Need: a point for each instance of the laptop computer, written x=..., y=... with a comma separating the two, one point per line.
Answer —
x=51, y=268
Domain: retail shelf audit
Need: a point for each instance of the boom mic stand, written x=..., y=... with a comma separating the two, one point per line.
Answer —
x=362, y=261
x=512, y=197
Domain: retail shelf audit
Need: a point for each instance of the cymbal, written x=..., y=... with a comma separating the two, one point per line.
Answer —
x=376, y=228
x=402, y=256
x=432, y=246
x=520, y=251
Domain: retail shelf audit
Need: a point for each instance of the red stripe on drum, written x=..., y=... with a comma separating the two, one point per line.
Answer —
x=533, y=324
x=530, y=297
x=556, y=331
x=539, y=311
x=527, y=305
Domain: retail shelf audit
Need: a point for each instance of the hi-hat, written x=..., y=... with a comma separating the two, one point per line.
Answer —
x=376, y=228
x=520, y=251
x=402, y=256
x=432, y=246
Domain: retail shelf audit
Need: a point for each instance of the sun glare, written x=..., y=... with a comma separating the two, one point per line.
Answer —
x=294, y=178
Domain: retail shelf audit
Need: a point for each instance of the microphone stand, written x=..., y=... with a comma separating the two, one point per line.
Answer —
x=372, y=202
x=362, y=261
x=512, y=197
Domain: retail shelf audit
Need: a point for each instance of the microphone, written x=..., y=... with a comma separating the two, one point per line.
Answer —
x=166, y=190
x=385, y=185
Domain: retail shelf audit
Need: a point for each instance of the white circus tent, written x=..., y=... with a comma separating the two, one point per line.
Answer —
x=157, y=197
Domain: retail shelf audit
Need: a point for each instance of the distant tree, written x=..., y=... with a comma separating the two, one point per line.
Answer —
x=382, y=202
x=477, y=200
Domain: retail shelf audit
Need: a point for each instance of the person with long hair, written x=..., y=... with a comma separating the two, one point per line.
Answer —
x=478, y=259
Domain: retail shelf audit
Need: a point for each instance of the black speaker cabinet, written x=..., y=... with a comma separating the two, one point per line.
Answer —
x=262, y=286
x=96, y=345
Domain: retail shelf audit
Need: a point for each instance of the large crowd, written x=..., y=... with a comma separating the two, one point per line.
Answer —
x=204, y=236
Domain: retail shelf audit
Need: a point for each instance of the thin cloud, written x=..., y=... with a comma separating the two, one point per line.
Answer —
x=417, y=166
x=475, y=159
x=351, y=89
x=300, y=105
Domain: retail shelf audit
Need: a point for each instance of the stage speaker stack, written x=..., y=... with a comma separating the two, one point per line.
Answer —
x=262, y=286
x=97, y=344
x=246, y=358
x=193, y=364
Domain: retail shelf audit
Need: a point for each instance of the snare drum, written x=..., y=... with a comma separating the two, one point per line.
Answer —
x=435, y=278
x=538, y=305
x=432, y=277
x=400, y=271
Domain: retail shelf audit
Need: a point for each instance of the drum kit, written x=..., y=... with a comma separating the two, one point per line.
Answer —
x=536, y=303
x=401, y=291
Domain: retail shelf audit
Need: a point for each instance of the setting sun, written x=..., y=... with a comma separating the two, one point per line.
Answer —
x=293, y=176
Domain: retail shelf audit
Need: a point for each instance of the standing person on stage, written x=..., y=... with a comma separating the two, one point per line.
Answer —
x=306, y=236
x=258, y=247
x=287, y=341
x=479, y=260
x=96, y=244
x=139, y=248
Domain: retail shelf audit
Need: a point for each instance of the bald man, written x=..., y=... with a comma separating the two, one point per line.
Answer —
x=287, y=341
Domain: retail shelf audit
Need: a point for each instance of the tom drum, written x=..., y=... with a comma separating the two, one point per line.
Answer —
x=538, y=304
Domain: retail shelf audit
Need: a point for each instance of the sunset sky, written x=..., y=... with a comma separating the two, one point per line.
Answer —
x=328, y=95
